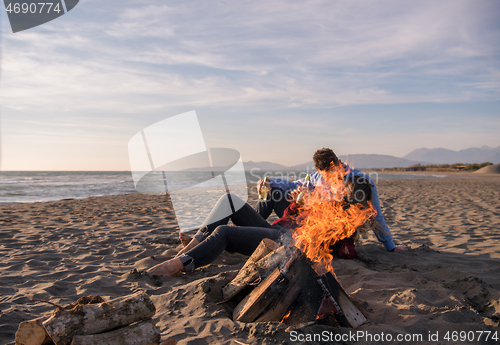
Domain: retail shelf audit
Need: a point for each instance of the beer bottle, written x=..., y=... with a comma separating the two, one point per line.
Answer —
x=264, y=190
x=304, y=188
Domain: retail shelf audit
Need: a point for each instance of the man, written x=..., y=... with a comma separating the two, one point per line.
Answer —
x=281, y=193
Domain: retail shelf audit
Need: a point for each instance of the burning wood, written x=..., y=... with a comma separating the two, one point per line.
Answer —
x=273, y=297
x=287, y=295
x=263, y=258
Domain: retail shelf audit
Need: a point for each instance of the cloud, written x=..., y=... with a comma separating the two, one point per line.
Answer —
x=292, y=54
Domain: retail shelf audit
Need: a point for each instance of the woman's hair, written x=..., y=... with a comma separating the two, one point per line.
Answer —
x=360, y=191
x=324, y=158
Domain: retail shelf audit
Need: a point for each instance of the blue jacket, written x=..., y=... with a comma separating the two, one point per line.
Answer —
x=385, y=237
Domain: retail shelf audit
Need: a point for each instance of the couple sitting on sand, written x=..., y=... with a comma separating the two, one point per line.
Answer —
x=251, y=225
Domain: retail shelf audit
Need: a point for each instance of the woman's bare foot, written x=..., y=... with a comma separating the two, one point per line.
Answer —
x=169, y=268
x=185, y=238
x=194, y=242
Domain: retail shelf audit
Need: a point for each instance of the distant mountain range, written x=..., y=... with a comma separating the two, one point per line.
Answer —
x=445, y=156
x=422, y=156
x=361, y=161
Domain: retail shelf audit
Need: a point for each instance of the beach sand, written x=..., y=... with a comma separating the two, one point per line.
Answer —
x=449, y=281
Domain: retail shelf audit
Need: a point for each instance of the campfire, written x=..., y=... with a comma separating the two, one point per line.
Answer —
x=328, y=215
x=295, y=283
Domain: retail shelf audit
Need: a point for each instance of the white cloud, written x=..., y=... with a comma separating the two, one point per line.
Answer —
x=314, y=54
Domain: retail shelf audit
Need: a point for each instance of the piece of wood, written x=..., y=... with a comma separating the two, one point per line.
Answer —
x=349, y=312
x=299, y=275
x=306, y=305
x=170, y=341
x=141, y=333
x=260, y=298
x=265, y=247
x=252, y=271
x=88, y=319
x=274, y=296
x=297, y=289
x=248, y=272
x=299, y=326
x=269, y=262
x=32, y=332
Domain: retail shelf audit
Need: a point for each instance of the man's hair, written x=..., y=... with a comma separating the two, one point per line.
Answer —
x=324, y=158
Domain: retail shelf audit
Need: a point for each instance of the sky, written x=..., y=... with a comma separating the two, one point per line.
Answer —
x=273, y=80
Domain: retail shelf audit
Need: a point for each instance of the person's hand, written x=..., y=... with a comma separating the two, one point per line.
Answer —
x=260, y=183
x=400, y=248
x=294, y=194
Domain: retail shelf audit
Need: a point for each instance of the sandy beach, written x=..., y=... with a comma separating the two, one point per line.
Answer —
x=449, y=281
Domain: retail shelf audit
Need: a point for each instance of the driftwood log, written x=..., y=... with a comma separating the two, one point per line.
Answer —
x=273, y=297
x=141, y=333
x=248, y=271
x=32, y=332
x=63, y=325
x=253, y=270
x=299, y=275
x=258, y=300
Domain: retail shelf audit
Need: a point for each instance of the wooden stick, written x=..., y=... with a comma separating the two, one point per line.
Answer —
x=141, y=333
x=63, y=325
x=349, y=311
x=299, y=275
x=32, y=332
x=299, y=326
x=254, y=268
x=44, y=301
x=260, y=298
x=170, y=341
x=239, y=342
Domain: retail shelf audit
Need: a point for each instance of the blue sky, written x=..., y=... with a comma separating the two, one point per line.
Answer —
x=273, y=80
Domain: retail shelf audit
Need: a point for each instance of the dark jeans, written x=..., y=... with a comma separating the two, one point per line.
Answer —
x=244, y=238
x=277, y=201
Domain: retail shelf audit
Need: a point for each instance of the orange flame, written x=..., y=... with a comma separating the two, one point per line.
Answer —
x=325, y=219
x=285, y=318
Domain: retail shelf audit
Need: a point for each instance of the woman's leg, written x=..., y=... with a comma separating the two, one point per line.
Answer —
x=222, y=213
x=218, y=216
x=245, y=216
x=243, y=240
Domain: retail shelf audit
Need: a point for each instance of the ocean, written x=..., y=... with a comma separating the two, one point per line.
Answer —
x=34, y=186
